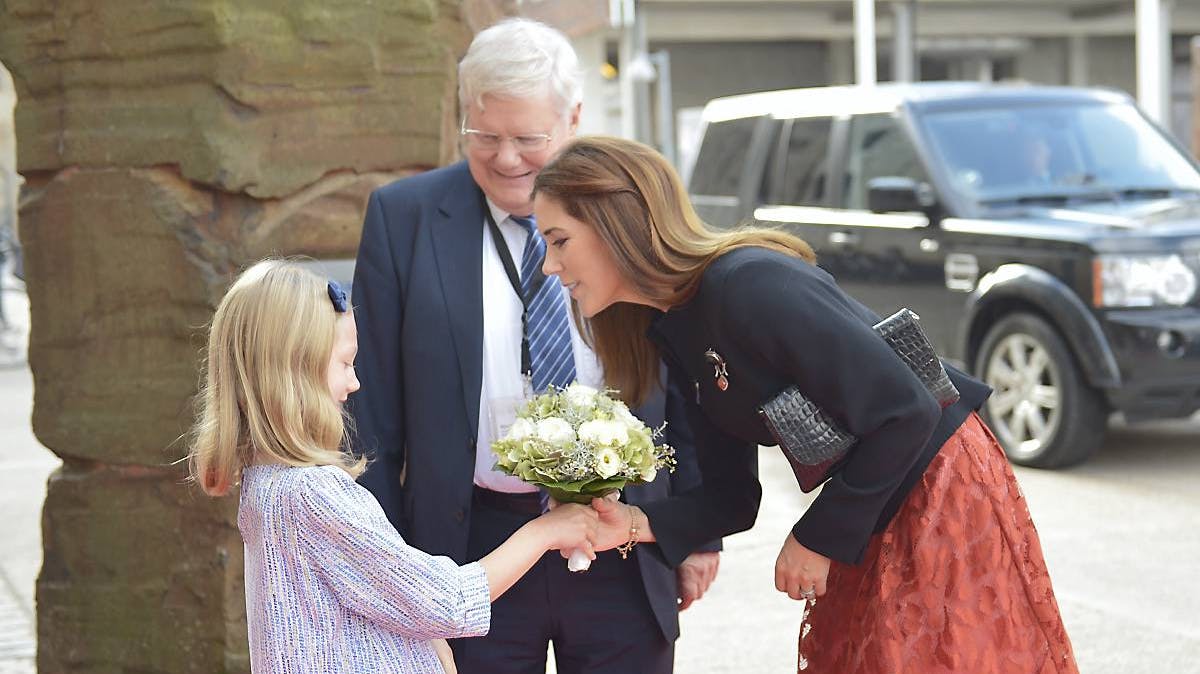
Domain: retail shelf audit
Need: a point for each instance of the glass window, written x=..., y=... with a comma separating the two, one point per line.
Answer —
x=806, y=166
x=878, y=147
x=722, y=157
x=1056, y=151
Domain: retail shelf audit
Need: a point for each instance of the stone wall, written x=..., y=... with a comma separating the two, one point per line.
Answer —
x=1196, y=97
x=166, y=145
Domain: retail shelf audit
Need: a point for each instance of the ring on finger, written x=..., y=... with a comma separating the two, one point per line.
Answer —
x=810, y=593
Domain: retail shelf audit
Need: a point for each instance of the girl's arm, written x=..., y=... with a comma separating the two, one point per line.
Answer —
x=445, y=656
x=344, y=534
x=565, y=527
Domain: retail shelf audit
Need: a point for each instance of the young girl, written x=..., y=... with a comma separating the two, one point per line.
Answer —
x=330, y=585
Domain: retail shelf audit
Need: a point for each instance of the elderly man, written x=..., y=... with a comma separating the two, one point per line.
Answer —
x=453, y=315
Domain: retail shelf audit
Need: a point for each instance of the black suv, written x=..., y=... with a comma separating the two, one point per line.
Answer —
x=1048, y=237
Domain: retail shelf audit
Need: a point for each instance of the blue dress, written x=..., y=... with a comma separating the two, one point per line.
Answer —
x=332, y=587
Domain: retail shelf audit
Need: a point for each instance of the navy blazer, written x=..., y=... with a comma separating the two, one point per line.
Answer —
x=419, y=306
x=778, y=321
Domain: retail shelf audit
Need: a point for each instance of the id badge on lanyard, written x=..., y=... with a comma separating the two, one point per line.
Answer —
x=502, y=409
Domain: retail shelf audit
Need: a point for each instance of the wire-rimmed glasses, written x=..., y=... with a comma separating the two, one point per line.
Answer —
x=524, y=143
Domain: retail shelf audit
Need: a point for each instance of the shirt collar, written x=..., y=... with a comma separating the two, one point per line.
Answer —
x=498, y=214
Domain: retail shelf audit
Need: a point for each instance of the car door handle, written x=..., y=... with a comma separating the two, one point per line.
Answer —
x=843, y=239
x=962, y=272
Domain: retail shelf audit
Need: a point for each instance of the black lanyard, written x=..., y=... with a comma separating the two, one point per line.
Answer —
x=514, y=279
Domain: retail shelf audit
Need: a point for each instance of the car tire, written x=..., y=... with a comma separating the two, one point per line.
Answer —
x=1042, y=410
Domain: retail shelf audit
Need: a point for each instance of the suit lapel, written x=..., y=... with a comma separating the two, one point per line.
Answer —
x=458, y=247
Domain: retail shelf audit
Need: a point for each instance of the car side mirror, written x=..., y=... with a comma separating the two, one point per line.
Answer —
x=891, y=194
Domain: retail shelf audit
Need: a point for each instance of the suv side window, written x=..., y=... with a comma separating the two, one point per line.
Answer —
x=878, y=147
x=722, y=157
x=806, y=164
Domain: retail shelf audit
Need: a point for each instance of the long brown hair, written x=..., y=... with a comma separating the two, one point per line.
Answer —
x=636, y=202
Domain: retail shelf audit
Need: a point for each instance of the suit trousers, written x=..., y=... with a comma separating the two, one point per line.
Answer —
x=598, y=620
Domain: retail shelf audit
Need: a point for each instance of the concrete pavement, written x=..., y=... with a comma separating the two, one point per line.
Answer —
x=24, y=467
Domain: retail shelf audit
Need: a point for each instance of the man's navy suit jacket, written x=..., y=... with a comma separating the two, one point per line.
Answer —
x=419, y=307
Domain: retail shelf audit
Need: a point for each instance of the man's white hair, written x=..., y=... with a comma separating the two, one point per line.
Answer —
x=520, y=58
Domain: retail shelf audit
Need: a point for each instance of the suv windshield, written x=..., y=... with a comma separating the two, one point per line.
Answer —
x=1056, y=153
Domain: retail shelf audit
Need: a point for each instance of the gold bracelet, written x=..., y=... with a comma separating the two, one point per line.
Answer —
x=633, y=532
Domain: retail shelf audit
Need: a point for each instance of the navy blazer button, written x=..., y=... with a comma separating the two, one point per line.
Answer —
x=460, y=514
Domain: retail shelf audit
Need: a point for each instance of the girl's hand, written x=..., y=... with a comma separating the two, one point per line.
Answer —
x=569, y=526
x=800, y=572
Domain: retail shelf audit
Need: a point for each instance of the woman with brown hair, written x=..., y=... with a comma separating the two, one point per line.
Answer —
x=919, y=545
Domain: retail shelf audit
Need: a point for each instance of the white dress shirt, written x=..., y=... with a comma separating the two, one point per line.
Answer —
x=503, y=382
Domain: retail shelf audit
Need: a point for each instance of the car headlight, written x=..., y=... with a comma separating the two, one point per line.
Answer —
x=1141, y=281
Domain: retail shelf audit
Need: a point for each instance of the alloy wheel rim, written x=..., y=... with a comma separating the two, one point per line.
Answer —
x=1026, y=408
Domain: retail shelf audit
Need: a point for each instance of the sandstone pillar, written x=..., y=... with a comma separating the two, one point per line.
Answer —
x=1196, y=96
x=166, y=145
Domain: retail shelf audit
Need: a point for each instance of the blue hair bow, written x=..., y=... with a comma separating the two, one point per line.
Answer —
x=338, y=297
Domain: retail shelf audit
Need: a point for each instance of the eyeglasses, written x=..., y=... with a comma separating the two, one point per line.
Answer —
x=525, y=143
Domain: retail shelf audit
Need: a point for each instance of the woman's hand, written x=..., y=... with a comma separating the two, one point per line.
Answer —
x=800, y=572
x=616, y=518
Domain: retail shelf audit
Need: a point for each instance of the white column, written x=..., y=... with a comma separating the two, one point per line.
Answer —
x=1153, y=58
x=1077, y=60
x=591, y=51
x=643, y=73
x=864, y=42
x=665, y=109
x=904, y=48
x=984, y=69
x=626, y=53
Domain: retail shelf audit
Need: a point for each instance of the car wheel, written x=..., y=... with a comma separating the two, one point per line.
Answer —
x=1042, y=410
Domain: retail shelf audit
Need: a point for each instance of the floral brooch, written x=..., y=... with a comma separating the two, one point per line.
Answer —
x=720, y=373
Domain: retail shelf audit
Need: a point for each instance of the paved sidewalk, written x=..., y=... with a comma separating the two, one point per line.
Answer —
x=14, y=321
x=24, y=468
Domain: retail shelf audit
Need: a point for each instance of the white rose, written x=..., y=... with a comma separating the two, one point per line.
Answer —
x=521, y=429
x=604, y=432
x=649, y=473
x=581, y=396
x=608, y=463
x=622, y=413
x=555, y=431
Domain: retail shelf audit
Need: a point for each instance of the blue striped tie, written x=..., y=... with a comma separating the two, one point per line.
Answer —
x=550, y=354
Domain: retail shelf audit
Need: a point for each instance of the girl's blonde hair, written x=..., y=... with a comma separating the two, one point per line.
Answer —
x=637, y=204
x=265, y=392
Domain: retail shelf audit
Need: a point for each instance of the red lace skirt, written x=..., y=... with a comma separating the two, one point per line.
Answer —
x=956, y=583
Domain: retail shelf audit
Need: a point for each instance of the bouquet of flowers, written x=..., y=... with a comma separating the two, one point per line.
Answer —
x=580, y=443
